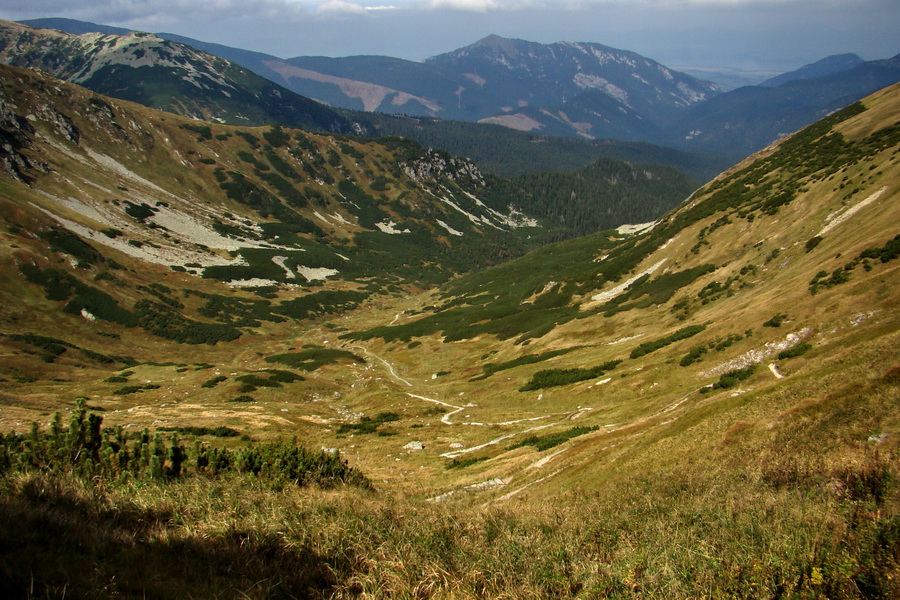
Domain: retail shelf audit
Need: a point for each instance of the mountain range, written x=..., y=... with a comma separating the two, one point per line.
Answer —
x=497, y=75
x=166, y=83
x=581, y=90
x=265, y=361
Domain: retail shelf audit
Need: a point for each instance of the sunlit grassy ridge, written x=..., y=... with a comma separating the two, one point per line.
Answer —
x=758, y=190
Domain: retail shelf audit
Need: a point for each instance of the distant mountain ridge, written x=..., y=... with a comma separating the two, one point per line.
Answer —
x=499, y=149
x=492, y=76
x=581, y=90
x=750, y=118
x=521, y=73
x=144, y=68
x=496, y=79
x=827, y=66
x=74, y=26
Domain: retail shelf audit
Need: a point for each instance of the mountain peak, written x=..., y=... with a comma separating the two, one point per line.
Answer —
x=491, y=40
x=499, y=45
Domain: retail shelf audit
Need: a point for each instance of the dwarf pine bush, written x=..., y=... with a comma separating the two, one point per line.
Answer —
x=86, y=449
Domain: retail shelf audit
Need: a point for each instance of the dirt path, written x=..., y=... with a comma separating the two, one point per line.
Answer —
x=446, y=418
x=643, y=424
x=389, y=366
x=455, y=409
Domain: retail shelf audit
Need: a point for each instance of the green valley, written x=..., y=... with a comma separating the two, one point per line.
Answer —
x=262, y=362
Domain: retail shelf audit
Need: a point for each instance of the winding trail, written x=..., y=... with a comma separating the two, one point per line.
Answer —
x=446, y=419
x=389, y=366
x=643, y=426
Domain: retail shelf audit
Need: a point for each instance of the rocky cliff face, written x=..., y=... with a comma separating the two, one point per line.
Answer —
x=435, y=165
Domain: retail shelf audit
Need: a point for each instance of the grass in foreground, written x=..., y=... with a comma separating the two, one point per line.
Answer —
x=680, y=537
x=809, y=510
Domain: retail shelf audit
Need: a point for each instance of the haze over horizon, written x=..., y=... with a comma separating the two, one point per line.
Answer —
x=751, y=35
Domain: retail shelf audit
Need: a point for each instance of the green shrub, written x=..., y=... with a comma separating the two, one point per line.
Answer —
x=546, y=442
x=695, y=354
x=140, y=212
x=527, y=359
x=462, y=463
x=731, y=379
x=243, y=399
x=776, y=320
x=886, y=253
x=91, y=452
x=283, y=376
x=556, y=377
x=62, y=240
x=369, y=424
x=203, y=130
x=654, y=345
x=249, y=138
x=198, y=431
x=133, y=389
x=277, y=137
x=166, y=322
x=214, y=381
x=313, y=358
x=798, y=350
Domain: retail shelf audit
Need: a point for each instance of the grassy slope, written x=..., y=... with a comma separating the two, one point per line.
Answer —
x=775, y=487
x=863, y=310
x=175, y=154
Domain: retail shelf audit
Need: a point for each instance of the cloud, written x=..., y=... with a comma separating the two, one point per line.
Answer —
x=342, y=7
x=153, y=11
x=775, y=34
x=467, y=5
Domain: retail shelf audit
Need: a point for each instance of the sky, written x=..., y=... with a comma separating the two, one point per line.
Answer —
x=748, y=35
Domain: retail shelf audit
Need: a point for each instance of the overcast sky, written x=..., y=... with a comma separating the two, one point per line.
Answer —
x=772, y=35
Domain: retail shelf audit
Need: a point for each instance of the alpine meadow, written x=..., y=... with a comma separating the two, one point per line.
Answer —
x=258, y=344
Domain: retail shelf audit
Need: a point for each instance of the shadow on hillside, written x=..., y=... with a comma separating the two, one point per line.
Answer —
x=55, y=543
